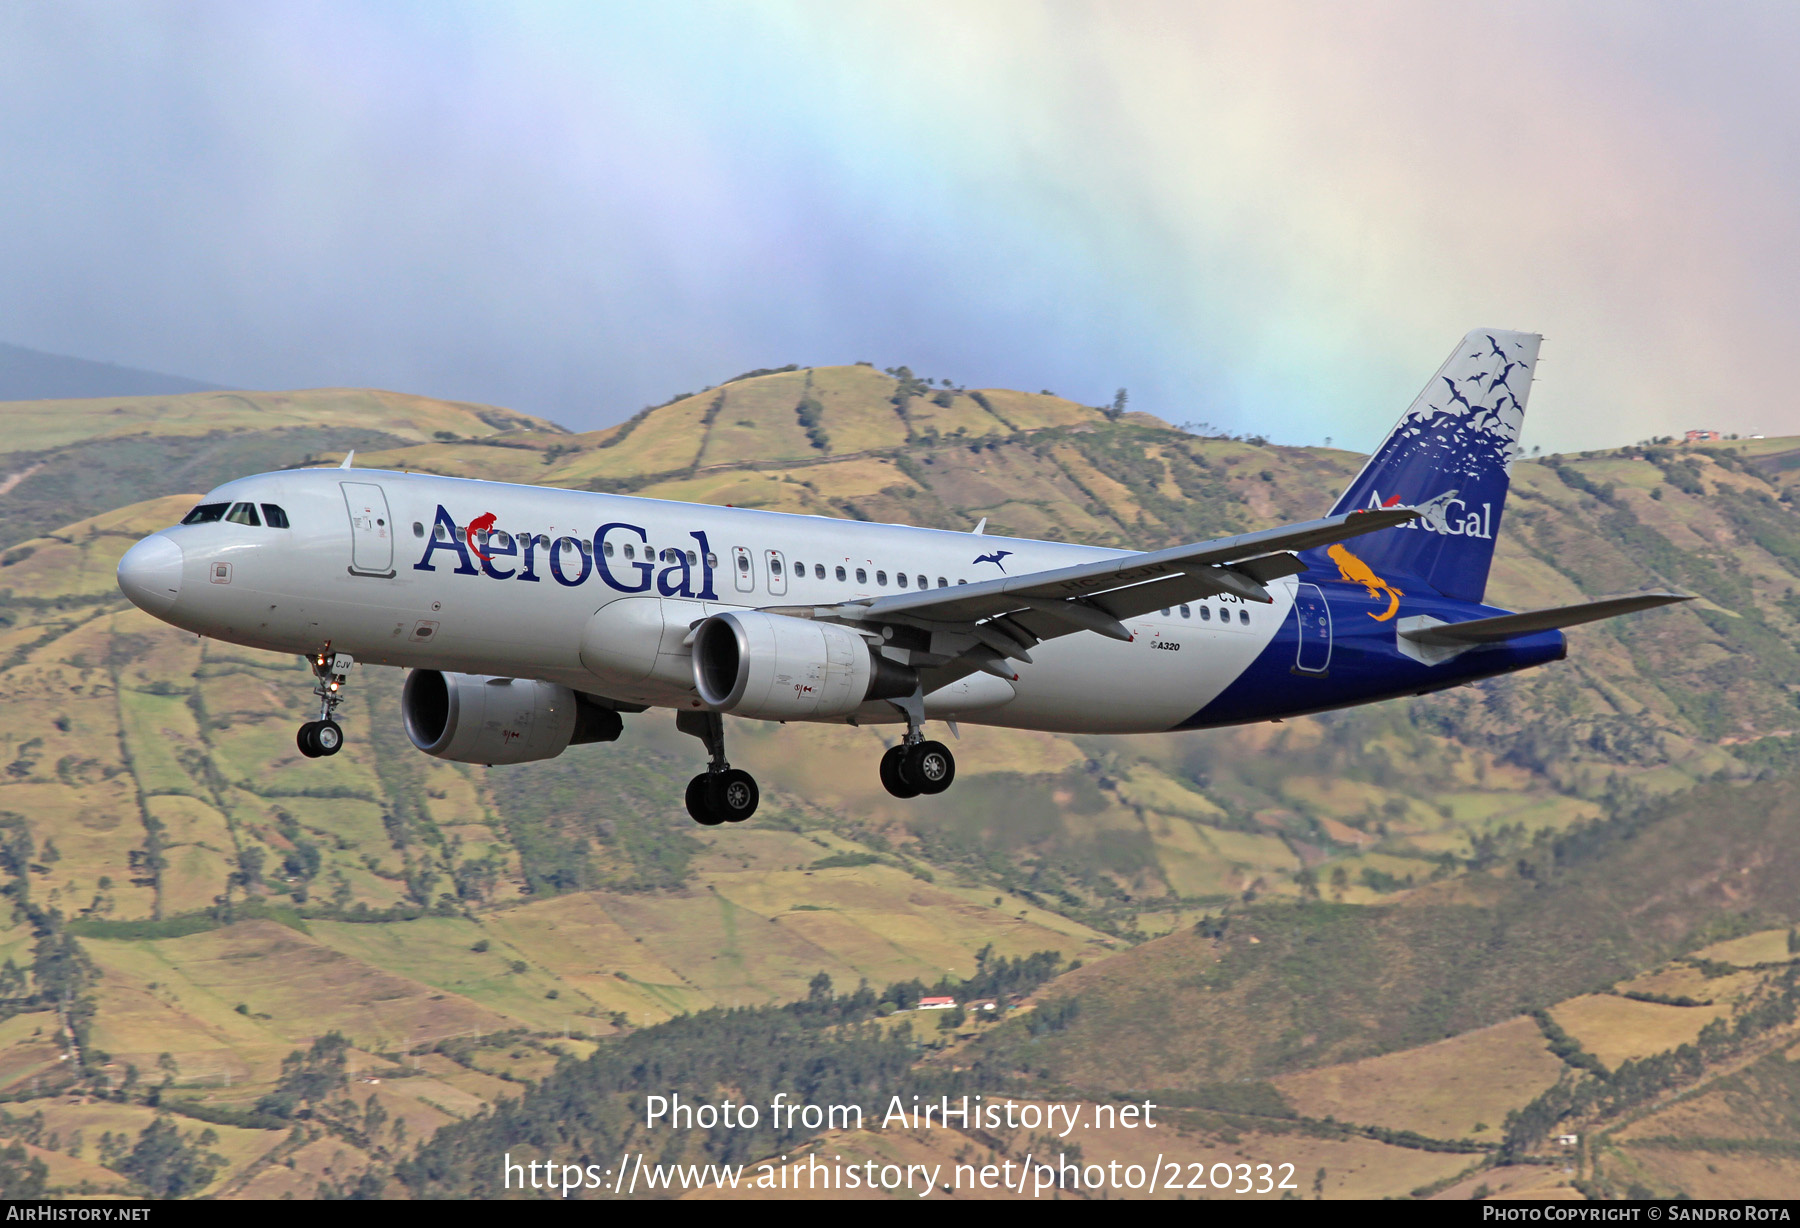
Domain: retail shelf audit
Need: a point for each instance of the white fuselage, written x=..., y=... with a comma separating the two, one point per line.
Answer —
x=364, y=569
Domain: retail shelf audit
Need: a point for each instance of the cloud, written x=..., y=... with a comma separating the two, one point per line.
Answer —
x=1277, y=217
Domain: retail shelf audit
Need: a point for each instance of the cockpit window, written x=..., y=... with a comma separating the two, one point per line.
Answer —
x=206, y=513
x=244, y=513
x=274, y=517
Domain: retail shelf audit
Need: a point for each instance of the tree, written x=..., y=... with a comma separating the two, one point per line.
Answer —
x=1308, y=882
x=1117, y=409
x=168, y=1164
x=22, y=1175
x=307, y=1077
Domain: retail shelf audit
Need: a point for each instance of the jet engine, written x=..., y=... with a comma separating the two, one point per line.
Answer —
x=476, y=718
x=775, y=667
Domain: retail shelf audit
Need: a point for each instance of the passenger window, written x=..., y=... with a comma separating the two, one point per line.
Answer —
x=275, y=518
x=840, y=573
x=243, y=513
x=775, y=564
x=744, y=563
x=881, y=578
x=1165, y=612
x=418, y=529
x=712, y=560
x=900, y=579
x=962, y=581
x=206, y=513
x=1205, y=613
x=943, y=583
x=1244, y=617
x=630, y=551
x=862, y=577
x=437, y=532
x=1185, y=612
x=606, y=548
x=818, y=571
x=691, y=558
x=924, y=583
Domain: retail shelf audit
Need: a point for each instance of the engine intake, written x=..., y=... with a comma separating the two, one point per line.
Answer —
x=477, y=718
x=780, y=668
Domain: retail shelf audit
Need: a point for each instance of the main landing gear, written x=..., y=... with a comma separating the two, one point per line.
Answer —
x=917, y=765
x=325, y=736
x=722, y=793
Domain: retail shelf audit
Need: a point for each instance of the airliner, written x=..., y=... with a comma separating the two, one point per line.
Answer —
x=533, y=619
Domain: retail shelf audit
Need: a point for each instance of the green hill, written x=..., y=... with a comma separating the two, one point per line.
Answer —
x=231, y=901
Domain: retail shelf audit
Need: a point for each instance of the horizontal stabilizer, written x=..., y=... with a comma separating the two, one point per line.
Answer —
x=1505, y=626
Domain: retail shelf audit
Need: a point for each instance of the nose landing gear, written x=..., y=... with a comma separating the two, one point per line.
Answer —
x=722, y=793
x=325, y=736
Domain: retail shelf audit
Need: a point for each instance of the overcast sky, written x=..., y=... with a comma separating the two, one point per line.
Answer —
x=1274, y=218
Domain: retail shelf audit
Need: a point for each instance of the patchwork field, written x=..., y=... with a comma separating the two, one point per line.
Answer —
x=1121, y=1159
x=205, y=904
x=1458, y=1088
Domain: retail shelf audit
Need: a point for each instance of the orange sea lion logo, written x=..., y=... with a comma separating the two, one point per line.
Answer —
x=1354, y=571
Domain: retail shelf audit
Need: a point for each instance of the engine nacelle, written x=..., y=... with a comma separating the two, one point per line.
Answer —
x=780, y=668
x=477, y=718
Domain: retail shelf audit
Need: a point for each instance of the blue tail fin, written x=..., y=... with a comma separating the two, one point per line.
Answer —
x=1451, y=456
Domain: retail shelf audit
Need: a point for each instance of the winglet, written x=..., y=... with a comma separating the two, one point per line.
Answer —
x=982, y=527
x=348, y=457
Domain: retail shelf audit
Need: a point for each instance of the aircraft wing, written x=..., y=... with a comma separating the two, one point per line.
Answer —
x=978, y=625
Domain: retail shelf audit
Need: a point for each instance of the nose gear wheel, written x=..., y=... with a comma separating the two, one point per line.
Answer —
x=318, y=738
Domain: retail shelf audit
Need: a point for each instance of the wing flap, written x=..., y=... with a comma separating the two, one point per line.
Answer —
x=1259, y=556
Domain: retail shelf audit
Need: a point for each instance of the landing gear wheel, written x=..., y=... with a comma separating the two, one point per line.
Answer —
x=699, y=801
x=305, y=740
x=893, y=775
x=734, y=795
x=930, y=766
x=328, y=737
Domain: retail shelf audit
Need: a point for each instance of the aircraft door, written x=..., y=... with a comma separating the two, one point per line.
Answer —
x=777, y=567
x=371, y=529
x=1314, y=616
x=742, y=569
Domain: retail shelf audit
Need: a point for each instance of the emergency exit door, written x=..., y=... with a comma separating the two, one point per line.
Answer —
x=371, y=529
x=1314, y=653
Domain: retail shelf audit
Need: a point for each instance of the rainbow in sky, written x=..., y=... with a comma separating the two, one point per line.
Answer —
x=1273, y=218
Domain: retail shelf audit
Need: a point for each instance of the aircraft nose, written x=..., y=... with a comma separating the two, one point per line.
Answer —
x=150, y=574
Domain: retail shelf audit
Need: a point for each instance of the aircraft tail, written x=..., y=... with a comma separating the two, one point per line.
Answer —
x=1451, y=457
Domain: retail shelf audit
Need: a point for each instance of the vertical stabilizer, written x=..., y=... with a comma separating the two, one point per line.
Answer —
x=1450, y=456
